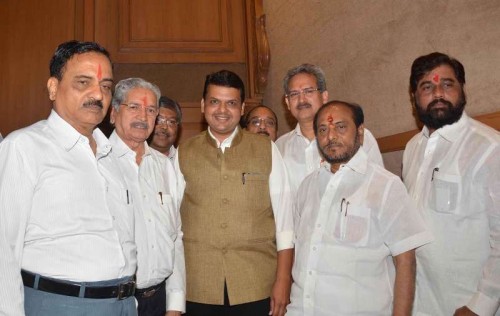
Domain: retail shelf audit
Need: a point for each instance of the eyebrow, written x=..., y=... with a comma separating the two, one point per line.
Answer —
x=430, y=81
x=90, y=78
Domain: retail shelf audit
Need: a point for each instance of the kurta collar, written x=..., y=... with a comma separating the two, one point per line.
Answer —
x=450, y=132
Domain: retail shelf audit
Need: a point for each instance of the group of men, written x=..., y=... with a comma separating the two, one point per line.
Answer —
x=311, y=225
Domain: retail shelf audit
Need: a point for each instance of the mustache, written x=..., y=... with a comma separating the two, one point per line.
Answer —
x=141, y=125
x=440, y=100
x=93, y=102
x=332, y=144
x=162, y=132
x=263, y=133
x=304, y=105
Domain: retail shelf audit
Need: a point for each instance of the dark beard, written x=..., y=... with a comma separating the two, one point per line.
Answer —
x=435, y=119
x=343, y=158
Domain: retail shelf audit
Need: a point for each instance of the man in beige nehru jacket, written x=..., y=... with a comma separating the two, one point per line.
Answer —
x=236, y=212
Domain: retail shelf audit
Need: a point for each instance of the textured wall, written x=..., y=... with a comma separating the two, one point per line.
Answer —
x=366, y=49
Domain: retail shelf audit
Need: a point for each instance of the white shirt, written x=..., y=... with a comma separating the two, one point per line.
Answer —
x=63, y=210
x=279, y=191
x=348, y=224
x=454, y=176
x=158, y=235
x=302, y=156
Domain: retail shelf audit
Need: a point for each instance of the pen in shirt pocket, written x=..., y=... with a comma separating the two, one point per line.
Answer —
x=128, y=198
x=160, y=194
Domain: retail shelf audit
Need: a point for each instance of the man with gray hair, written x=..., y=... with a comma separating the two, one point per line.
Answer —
x=305, y=92
x=150, y=175
x=167, y=127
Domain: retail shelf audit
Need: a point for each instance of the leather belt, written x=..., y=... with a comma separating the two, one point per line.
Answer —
x=120, y=291
x=149, y=291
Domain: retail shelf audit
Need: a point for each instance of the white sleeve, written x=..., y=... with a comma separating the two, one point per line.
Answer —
x=281, y=200
x=16, y=196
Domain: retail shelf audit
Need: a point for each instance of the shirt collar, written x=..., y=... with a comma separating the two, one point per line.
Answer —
x=358, y=163
x=450, y=132
x=67, y=136
x=121, y=149
x=226, y=142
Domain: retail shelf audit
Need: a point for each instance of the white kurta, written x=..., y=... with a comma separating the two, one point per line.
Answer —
x=454, y=176
x=348, y=225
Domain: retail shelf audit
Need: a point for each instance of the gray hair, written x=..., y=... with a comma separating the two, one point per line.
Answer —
x=123, y=87
x=309, y=69
x=166, y=102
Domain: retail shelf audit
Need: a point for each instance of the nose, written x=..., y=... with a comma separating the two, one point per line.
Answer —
x=142, y=114
x=96, y=92
x=332, y=133
x=438, y=91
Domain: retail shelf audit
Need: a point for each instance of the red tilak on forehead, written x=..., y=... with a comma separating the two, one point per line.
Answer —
x=99, y=72
x=436, y=78
x=329, y=118
x=145, y=100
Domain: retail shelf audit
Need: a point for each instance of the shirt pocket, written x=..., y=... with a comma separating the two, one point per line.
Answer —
x=353, y=225
x=445, y=193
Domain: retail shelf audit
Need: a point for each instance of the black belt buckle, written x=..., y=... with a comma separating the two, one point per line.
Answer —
x=126, y=290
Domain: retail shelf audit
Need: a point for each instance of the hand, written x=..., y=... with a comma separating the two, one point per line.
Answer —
x=280, y=296
x=173, y=313
x=464, y=311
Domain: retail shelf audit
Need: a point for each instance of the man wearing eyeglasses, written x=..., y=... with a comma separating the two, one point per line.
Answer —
x=150, y=174
x=167, y=127
x=305, y=92
x=261, y=120
x=355, y=218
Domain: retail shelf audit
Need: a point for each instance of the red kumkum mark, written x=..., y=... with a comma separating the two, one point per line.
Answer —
x=145, y=100
x=329, y=118
x=99, y=72
x=436, y=78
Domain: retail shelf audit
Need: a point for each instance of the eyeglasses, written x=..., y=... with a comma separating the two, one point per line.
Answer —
x=160, y=120
x=136, y=108
x=308, y=92
x=257, y=122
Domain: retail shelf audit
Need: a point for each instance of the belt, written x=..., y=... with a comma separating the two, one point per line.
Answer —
x=120, y=291
x=149, y=291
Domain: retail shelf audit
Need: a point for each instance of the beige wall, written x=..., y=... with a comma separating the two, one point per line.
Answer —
x=366, y=49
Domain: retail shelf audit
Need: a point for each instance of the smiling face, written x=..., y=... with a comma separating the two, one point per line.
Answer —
x=439, y=98
x=223, y=108
x=165, y=134
x=83, y=95
x=304, y=107
x=338, y=138
x=134, y=127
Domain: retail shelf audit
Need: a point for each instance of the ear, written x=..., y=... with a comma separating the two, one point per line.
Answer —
x=242, y=108
x=287, y=103
x=361, y=133
x=52, y=85
x=202, y=103
x=324, y=96
x=112, y=116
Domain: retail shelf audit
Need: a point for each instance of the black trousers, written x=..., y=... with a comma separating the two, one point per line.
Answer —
x=258, y=308
x=154, y=305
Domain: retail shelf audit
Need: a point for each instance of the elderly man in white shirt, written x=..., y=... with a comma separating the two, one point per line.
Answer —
x=452, y=171
x=352, y=215
x=150, y=175
x=305, y=92
x=66, y=224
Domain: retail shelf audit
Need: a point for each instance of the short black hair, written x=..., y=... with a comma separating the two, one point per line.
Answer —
x=424, y=64
x=246, y=117
x=66, y=50
x=356, y=110
x=225, y=78
x=166, y=102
